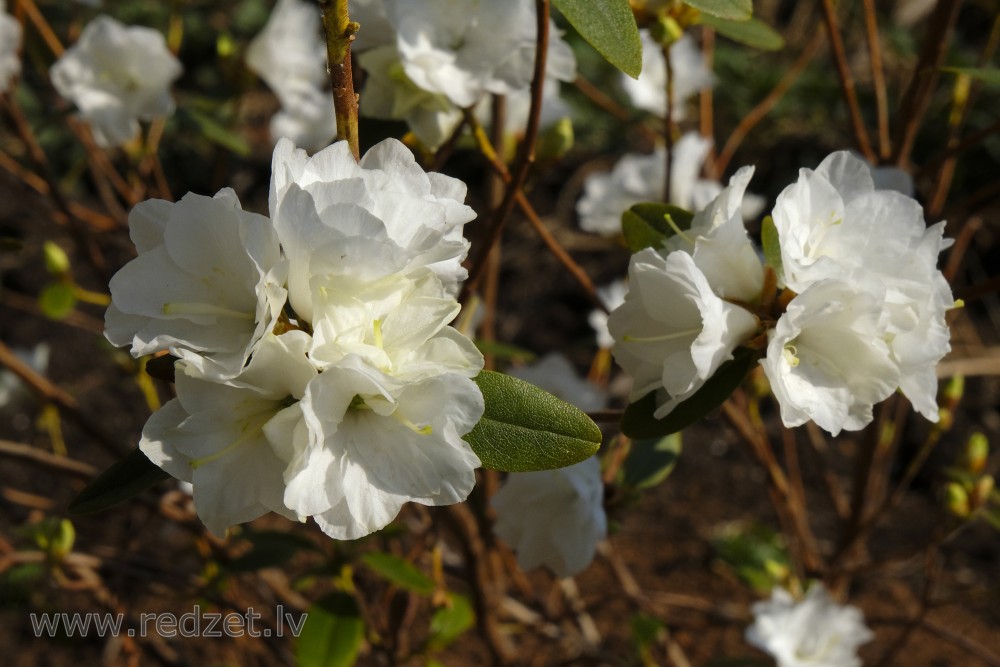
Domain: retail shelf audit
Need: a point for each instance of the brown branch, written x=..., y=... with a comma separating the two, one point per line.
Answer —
x=668, y=125
x=526, y=156
x=340, y=33
x=764, y=107
x=846, y=80
x=40, y=457
x=918, y=94
x=878, y=79
x=43, y=27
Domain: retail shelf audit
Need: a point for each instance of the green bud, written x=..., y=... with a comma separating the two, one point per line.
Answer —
x=57, y=300
x=981, y=491
x=667, y=30
x=975, y=454
x=56, y=260
x=956, y=499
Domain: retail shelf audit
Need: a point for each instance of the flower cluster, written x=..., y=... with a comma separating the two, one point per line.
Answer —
x=117, y=75
x=639, y=178
x=10, y=43
x=426, y=60
x=862, y=312
x=289, y=54
x=317, y=374
x=812, y=632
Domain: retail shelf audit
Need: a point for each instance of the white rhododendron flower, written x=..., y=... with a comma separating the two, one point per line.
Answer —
x=611, y=296
x=319, y=375
x=553, y=518
x=812, y=632
x=640, y=178
x=207, y=284
x=12, y=388
x=827, y=358
x=289, y=54
x=10, y=44
x=673, y=332
x=117, y=75
x=690, y=74
x=212, y=435
x=834, y=224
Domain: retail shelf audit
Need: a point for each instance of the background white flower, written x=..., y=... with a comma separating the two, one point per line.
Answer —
x=12, y=389
x=555, y=374
x=611, y=295
x=553, y=518
x=812, y=632
x=690, y=74
x=10, y=44
x=117, y=75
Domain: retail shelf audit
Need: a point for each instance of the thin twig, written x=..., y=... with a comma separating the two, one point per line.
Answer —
x=878, y=79
x=43, y=27
x=846, y=80
x=40, y=457
x=757, y=114
x=668, y=126
x=526, y=156
x=340, y=33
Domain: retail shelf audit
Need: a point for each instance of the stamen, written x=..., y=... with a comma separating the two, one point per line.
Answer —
x=791, y=355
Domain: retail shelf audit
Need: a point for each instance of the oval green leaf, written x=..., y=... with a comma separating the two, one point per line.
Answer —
x=448, y=623
x=609, y=26
x=752, y=32
x=129, y=477
x=525, y=428
x=650, y=461
x=649, y=224
x=772, y=247
x=735, y=10
x=332, y=633
x=400, y=572
x=639, y=423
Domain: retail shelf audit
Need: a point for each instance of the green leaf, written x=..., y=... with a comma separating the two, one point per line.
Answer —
x=271, y=548
x=132, y=475
x=989, y=76
x=57, y=300
x=639, y=422
x=448, y=623
x=217, y=133
x=735, y=10
x=609, y=26
x=650, y=461
x=400, y=572
x=332, y=633
x=757, y=553
x=525, y=428
x=752, y=32
x=772, y=247
x=648, y=225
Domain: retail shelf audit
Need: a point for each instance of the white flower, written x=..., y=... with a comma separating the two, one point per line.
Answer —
x=10, y=44
x=834, y=224
x=385, y=214
x=465, y=50
x=117, y=75
x=12, y=389
x=213, y=435
x=555, y=374
x=553, y=517
x=640, y=178
x=827, y=358
x=290, y=55
x=374, y=443
x=690, y=74
x=720, y=246
x=813, y=632
x=207, y=284
x=375, y=28
x=611, y=296
x=673, y=332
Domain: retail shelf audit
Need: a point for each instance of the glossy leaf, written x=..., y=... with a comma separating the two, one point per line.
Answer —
x=525, y=428
x=609, y=26
x=752, y=32
x=639, y=422
x=772, y=247
x=648, y=225
x=735, y=10
x=129, y=477
x=449, y=622
x=332, y=633
x=400, y=572
x=650, y=461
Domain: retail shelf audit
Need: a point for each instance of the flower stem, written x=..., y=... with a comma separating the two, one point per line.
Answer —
x=340, y=33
